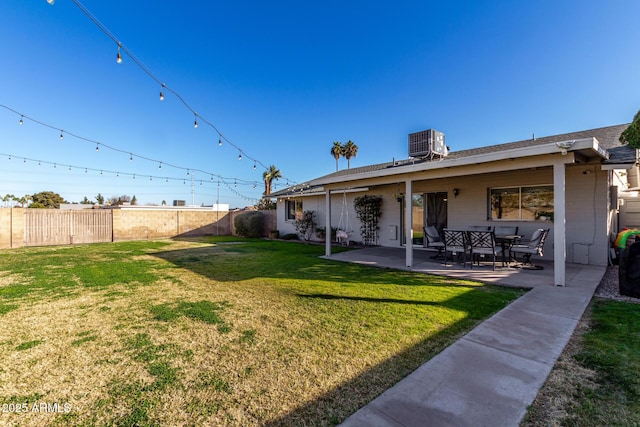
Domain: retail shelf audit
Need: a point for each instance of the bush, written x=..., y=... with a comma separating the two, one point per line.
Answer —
x=321, y=232
x=249, y=224
x=290, y=236
x=305, y=225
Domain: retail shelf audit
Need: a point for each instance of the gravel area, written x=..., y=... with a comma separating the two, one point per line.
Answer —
x=609, y=286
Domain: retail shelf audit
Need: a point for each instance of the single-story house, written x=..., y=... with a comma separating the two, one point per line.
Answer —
x=569, y=183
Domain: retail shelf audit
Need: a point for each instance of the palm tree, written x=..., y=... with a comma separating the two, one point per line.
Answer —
x=268, y=177
x=349, y=150
x=337, y=151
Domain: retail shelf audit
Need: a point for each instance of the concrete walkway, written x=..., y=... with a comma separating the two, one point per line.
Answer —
x=491, y=375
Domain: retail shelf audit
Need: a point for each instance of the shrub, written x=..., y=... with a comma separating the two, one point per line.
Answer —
x=305, y=224
x=321, y=232
x=289, y=236
x=249, y=224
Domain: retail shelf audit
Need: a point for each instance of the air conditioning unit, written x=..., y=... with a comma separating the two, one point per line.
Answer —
x=427, y=143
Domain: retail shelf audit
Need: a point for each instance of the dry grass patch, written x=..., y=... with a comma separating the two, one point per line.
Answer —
x=195, y=333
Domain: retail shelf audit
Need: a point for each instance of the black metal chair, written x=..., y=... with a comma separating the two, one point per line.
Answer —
x=455, y=242
x=533, y=246
x=434, y=240
x=483, y=243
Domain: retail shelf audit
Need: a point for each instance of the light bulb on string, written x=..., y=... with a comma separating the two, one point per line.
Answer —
x=97, y=147
x=254, y=165
x=161, y=94
x=150, y=178
x=85, y=170
x=119, y=56
x=69, y=167
x=130, y=157
x=219, y=141
x=100, y=172
x=39, y=163
x=61, y=134
x=166, y=179
x=54, y=165
x=195, y=121
x=187, y=172
x=51, y=2
x=160, y=165
x=21, y=121
x=235, y=184
x=134, y=176
x=240, y=156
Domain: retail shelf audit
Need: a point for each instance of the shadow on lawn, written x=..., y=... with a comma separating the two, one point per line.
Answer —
x=237, y=263
x=336, y=405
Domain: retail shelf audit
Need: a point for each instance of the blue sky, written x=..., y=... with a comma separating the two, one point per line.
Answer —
x=282, y=80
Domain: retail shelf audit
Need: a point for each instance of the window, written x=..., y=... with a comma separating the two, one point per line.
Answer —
x=521, y=203
x=293, y=209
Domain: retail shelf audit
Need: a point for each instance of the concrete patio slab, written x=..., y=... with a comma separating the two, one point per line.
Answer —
x=491, y=375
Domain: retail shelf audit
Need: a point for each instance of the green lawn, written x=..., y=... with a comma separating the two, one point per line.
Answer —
x=215, y=331
x=597, y=380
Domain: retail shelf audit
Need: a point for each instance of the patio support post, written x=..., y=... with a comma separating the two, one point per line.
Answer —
x=327, y=225
x=559, y=224
x=408, y=221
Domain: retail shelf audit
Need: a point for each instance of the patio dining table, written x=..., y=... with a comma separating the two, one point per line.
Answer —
x=506, y=241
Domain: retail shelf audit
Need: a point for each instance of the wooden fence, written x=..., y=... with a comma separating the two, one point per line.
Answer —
x=53, y=227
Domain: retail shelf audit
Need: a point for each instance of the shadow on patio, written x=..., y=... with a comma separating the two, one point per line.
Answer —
x=576, y=274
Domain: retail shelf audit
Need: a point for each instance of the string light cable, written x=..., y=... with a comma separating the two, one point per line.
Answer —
x=164, y=178
x=122, y=48
x=99, y=145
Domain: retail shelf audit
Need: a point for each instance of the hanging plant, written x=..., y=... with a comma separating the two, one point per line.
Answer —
x=368, y=210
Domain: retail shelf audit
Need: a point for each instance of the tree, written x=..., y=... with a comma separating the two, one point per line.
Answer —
x=100, y=199
x=46, y=199
x=349, y=150
x=85, y=201
x=268, y=177
x=337, y=151
x=118, y=200
x=134, y=201
x=631, y=135
x=265, y=204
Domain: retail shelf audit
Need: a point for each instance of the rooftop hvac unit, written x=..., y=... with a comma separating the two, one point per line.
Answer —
x=427, y=143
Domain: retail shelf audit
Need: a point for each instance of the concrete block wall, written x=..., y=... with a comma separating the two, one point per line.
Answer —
x=156, y=224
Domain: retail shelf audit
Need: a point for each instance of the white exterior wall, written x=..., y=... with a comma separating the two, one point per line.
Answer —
x=587, y=215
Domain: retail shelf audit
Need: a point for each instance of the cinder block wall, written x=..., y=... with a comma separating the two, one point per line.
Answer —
x=5, y=227
x=152, y=224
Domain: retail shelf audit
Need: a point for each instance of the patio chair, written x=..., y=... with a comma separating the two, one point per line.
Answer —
x=455, y=242
x=483, y=243
x=434, y=240
x=526, y=248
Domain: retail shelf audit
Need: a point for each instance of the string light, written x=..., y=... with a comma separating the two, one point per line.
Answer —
x=254, y=165
x=147, y=71
x=51, y=2
x=21, y=121
x=98, y=144
x=219, y=142
x=195, y=121
x=240, y=156
x=161, y=93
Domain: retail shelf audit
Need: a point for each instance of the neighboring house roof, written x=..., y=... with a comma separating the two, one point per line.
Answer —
x=607, y=137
